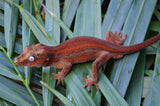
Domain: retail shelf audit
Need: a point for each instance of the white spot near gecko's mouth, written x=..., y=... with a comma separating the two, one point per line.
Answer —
x=16, y=61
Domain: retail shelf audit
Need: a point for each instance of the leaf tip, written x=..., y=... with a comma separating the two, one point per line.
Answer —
x=43, y=83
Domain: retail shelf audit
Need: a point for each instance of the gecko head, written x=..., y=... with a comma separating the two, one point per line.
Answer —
x=35, y=55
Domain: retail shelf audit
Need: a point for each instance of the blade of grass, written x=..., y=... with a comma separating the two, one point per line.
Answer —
x=10, y=21
x=1, y=19
x=88, y=26
x=134, y=92
x=27, y=37
x=136, y=28
x=115, y=15
x=54, y=30
x=60, y=22
x=8, y=72
x=20, y=90
x=5, y=103
x=75, y=88
x=69, y=11
x=38, y=15
x=38, y=30
x=18, y=45
x=8, y=94
x=153, y=94
x=59, y=95
x=2, y=4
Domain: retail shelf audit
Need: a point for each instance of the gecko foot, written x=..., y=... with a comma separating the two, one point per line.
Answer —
x=115, y=38
x=89, y=82
x=59, y=77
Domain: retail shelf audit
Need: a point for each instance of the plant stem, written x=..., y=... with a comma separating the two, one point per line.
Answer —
x=31, y=93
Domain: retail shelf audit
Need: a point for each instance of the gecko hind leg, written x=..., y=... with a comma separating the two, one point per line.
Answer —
x=115, y=38
x=97, y=64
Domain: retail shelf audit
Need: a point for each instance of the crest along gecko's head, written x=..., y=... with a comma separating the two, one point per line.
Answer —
x=34, y=55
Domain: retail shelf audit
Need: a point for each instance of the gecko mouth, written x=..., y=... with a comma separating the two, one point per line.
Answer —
x=16, y=62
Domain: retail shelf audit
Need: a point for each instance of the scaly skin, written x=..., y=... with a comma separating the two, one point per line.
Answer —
x=78, y=50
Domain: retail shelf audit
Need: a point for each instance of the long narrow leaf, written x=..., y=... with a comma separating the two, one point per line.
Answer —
x=79, y=95
x=60, y=96
x=153, y=94
x=10, y=21
x=69, y=11
x=116, y=15
x=1, y=19
x=17, y=91
x=10, y=95
x=136, y=28
x=18, y=45
x=2, y=4
x=134, y=92
x=53, y=29
x=27, y=37
x=60, y=23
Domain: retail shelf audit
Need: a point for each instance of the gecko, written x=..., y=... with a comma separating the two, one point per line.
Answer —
x=79, y=50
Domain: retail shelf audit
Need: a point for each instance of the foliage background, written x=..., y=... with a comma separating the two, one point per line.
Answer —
x=132, y=80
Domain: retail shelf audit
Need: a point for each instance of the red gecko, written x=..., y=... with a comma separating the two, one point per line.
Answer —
x=78, y=50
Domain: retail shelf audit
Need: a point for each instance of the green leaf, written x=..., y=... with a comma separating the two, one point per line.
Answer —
x=10, y=95
x=51, y=25
x=46, y=77
x=155, y=26
x=134, y=92
x=37, y=28
x=115, y=15
x=153, y=94
x=53, y=29
x=111, y=94
x=136, y=28
x=10, y=21
x=15, y=93
x=69, y=11
x=60, y=96
x=1, y=19
x=5, y=103
x=5, y=69
x=77, y=92
x=38, y=15
x=2, y=4
x=60, y=22
x=18, y=45
x=88, y=26
x=27, y=37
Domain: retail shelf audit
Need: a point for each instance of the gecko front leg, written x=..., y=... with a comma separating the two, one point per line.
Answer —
x=65, y=66
x=97, y=64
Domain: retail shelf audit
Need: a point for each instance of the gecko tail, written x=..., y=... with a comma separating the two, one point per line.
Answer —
x=139, y=46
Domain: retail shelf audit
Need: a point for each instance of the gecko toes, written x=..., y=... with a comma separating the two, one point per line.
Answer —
x=59, y=77
x=89, y=82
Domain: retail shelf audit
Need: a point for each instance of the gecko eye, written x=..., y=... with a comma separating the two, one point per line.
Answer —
x=31, y=58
